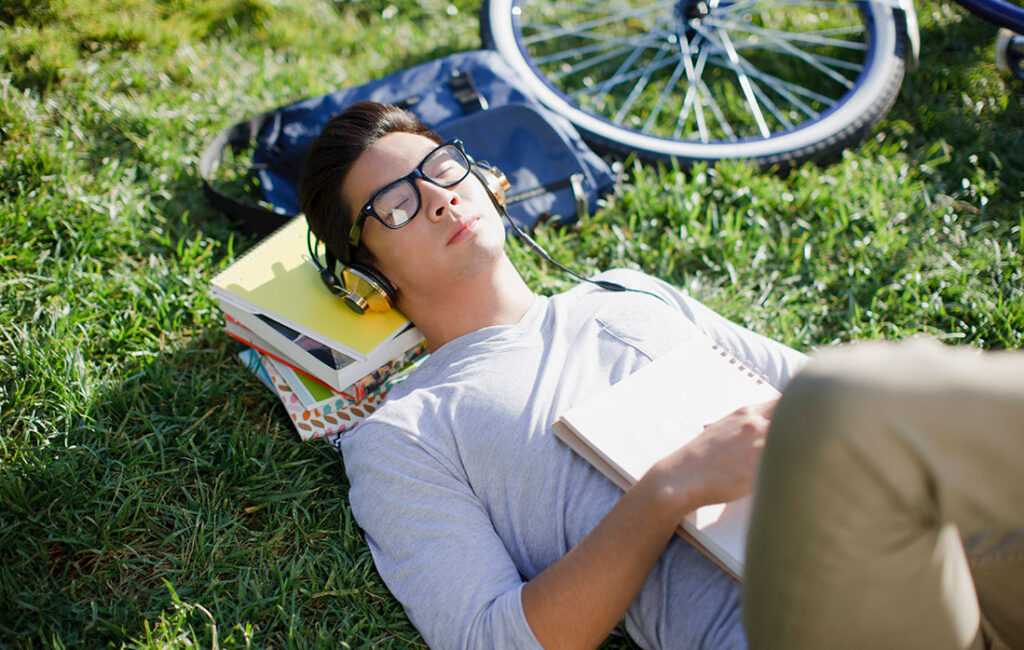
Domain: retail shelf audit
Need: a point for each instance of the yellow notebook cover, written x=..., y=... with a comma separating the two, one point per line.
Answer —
x=278, y=279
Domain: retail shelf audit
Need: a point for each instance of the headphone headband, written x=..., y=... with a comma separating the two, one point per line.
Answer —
x=361, y=287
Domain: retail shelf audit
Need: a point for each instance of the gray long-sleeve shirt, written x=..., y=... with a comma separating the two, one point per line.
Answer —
x=464, y=493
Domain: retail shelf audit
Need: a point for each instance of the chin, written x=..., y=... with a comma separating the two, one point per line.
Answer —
x=488, y=252
x=479, y=264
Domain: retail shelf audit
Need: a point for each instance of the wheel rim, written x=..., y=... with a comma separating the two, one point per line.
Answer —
x=700, y=78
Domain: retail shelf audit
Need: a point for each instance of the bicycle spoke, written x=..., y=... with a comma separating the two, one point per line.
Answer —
x=809, y=38
x=815, y=62
x=797, y=89
x=779, y=115
x=760, y=47
x=694, y=89
x=742, y=5
x=589, y=63
x=594, y=6
x=837, y=31
x=694, y=80
x=789, y=91
x=661, y=61
x=634, y=44
x=759, y=7
x=603, y=45
x=755, y=75
x=699, y=92
x=546, y=32
x=745, y=84
x=621, y=75
x=576, y=7
x=664, y=95
x=786, y=89
x=582, y=28
x=716, y=110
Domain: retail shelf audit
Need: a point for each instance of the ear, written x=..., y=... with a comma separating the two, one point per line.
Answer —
x=366, y=289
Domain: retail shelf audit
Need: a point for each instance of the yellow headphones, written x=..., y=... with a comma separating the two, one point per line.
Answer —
x=362, y=287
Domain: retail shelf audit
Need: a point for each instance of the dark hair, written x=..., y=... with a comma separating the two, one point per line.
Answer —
x=330, y=158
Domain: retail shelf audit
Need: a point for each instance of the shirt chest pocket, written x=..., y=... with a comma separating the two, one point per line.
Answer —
x=650, y=334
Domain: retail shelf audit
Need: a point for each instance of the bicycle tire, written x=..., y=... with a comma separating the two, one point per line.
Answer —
x=560, y=47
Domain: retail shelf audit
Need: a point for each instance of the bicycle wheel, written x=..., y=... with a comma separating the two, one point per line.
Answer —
x=775, y=81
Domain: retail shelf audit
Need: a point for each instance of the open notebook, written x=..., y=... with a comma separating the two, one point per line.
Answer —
x=625, y=429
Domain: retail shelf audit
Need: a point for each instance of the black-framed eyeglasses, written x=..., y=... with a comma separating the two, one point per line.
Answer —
x=397, y=203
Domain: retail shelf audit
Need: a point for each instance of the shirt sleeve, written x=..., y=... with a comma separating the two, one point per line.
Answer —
x=433, y=543
x=776, y=361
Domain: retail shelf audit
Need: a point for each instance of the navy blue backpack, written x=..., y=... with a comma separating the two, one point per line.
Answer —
x=473, y=95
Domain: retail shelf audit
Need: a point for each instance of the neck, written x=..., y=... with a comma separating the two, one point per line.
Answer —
x=498, y=296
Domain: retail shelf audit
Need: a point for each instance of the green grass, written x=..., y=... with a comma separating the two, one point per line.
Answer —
x=153, y=494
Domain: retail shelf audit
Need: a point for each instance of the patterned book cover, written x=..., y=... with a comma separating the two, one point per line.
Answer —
x=339, y=412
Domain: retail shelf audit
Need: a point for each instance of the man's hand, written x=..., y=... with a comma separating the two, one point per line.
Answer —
x=576, y=601
x=719, y=465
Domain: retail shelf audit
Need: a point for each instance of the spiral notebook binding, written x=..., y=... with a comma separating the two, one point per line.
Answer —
x=744, y=367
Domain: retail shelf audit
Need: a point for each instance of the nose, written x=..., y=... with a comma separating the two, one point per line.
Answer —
x=436, y=199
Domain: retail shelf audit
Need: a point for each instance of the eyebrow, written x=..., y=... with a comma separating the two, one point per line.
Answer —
x=374, y=192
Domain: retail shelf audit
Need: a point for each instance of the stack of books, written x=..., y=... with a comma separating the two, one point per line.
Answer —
x=329, y=366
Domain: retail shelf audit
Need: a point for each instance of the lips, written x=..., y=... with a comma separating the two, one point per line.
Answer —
x=463, y=230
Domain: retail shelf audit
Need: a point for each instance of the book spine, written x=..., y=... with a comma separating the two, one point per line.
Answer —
x=354, y=391
x=273, y=331
x=253, y=343
x=335, y=378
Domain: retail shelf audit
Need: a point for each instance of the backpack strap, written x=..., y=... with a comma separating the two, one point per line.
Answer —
x=254, y=218
x=465, y=92
x=463, y=89
x=578, y=191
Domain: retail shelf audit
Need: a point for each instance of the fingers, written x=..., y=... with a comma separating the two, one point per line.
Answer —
x=757, y=412
x=751, y=423
x=764, y=409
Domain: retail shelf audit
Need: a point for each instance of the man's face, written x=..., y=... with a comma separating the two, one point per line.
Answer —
x=456, y=233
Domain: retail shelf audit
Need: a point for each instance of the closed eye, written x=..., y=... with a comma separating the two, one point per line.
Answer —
x=449, y=171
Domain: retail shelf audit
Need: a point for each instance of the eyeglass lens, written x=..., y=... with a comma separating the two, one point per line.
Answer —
x=398, y=203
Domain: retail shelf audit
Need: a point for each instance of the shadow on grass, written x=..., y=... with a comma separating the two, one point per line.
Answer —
x=186, y=471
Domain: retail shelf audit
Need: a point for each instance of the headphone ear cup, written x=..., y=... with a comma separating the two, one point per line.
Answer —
x=493, y=179
x=367, y=290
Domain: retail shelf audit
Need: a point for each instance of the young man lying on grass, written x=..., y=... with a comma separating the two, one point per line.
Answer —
x=490, y=531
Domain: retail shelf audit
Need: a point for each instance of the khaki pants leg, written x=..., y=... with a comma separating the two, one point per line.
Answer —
x=879, y=458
